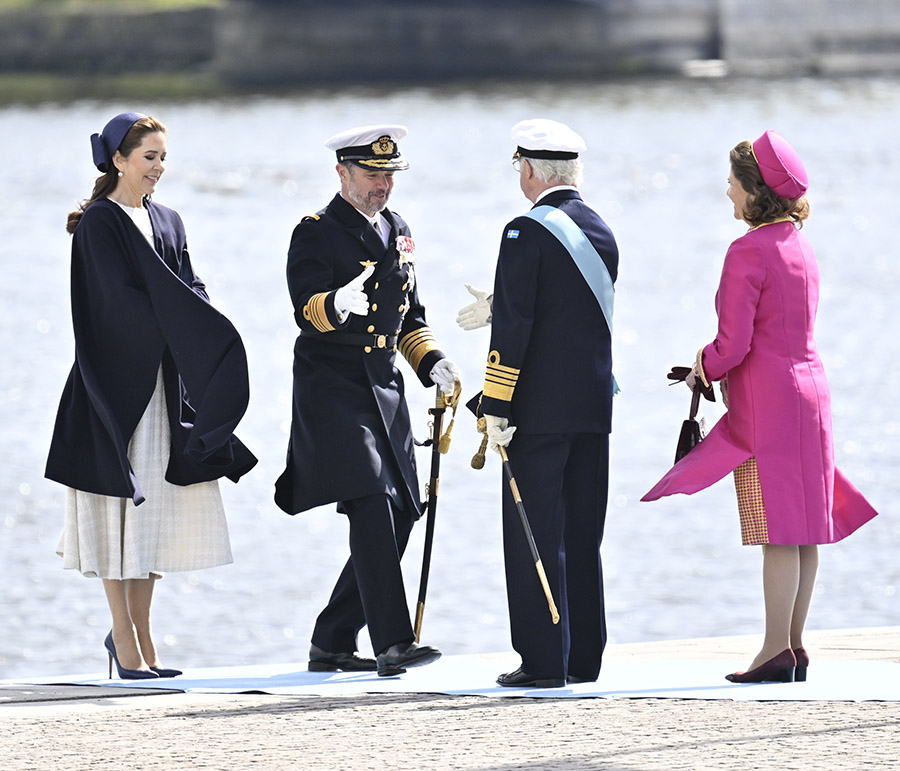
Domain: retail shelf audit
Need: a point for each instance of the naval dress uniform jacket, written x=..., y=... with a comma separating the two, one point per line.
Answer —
x=351, y=434
x=550, y=372
x=351, y=439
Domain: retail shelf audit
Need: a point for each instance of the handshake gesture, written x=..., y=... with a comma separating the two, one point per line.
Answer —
x=352, y=298
x=476, y=314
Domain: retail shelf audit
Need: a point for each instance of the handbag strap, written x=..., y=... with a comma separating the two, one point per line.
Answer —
x=695, y=404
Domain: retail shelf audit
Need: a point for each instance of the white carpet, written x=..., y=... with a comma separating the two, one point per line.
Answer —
x=474, y=675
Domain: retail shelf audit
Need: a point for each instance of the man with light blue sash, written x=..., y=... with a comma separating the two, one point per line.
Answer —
x=547, y=398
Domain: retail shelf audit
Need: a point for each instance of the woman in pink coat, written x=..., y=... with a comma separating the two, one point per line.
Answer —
x=776, y=435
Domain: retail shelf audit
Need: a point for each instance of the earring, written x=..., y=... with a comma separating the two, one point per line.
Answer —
x=121, y=174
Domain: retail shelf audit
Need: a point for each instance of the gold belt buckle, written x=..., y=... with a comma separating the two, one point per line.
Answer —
x=381, y=341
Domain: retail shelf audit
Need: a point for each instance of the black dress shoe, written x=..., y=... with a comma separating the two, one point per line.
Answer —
x=574, y=679
x=395, y=660
x=322, y=661
x=519, y=678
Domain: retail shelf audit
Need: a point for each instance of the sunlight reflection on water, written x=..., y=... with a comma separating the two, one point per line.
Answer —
x=242, y=173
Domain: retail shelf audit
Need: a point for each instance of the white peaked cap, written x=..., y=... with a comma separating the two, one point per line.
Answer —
x=543, y=138
x=374, y=147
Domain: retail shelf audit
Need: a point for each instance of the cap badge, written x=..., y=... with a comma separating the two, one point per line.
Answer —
x=407, y=249
x=383, y=146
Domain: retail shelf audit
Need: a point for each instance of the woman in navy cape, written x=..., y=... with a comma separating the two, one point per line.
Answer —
x=146, y=420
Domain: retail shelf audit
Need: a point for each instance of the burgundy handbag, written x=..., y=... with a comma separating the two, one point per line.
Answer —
x=690, y=435
x=692, y=432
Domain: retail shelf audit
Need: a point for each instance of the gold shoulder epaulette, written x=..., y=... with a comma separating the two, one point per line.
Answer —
x=310, y=217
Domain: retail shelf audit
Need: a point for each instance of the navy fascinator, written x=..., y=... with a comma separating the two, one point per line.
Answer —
x=104, y=144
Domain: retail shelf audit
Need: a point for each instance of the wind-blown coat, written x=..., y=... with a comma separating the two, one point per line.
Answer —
x=133, y=308
x=779, y=404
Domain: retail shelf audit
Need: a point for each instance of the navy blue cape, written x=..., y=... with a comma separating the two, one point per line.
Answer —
x=132, y=309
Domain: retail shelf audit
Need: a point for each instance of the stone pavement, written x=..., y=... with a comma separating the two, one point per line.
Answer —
x=73, y=728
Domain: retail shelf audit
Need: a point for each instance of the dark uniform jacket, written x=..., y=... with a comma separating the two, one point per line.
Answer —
x=350, y=433
x=550, y=363
x=132, y=308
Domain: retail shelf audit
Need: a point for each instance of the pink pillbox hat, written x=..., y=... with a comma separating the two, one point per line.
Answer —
x=780, y=166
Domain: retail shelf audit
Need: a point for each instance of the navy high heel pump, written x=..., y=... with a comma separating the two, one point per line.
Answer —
x=164, y=672
x=124, y=674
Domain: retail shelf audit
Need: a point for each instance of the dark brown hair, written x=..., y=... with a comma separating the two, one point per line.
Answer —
x=763, y=205
x=106, y=183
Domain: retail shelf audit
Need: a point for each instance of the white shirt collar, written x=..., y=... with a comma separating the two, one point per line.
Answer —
x=553, y=190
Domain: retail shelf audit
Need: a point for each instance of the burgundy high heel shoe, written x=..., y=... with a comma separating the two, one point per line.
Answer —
x=779, y=669
x=802, y=663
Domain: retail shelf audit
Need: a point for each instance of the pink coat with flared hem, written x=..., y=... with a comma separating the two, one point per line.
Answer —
x=779, y=403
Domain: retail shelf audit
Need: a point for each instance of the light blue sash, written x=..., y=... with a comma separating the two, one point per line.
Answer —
x=585, y=256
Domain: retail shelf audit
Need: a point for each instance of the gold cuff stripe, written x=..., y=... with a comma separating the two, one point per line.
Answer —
x=499, y=380
x=698, y=368
x=500, y=391
x=314, y=312
x=416, y=345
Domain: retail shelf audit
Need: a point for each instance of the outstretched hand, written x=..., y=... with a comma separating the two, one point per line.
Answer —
x=476, y=314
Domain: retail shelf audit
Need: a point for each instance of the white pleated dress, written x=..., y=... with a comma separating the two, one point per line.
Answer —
x=175, y=529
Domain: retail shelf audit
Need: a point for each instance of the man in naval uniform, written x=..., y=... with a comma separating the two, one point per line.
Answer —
x=548, y=398
x=352, y=281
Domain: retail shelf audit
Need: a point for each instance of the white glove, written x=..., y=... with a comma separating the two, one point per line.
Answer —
x=352, y=298
x=499, y=432
x=690, y=380
x=445, y=375
x=476, y=314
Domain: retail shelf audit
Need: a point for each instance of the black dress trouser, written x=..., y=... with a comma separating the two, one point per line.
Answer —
x=563, y=482
x=369, y=591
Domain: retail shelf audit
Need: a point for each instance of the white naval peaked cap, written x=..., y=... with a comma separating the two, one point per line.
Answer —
x=373, y=147
x=547, y=139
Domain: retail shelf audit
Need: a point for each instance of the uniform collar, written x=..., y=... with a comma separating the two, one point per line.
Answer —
x=557, y=193
x=353, y=219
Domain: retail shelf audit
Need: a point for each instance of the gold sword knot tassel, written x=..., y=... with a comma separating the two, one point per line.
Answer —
x=452, y=402
x=478, y=457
